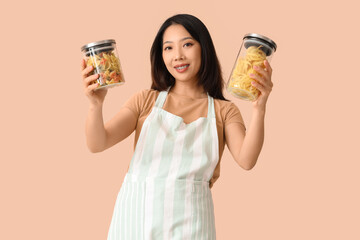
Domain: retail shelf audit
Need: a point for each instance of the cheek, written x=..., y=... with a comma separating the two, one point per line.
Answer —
x=166, y=60
x=197, y=56
x=199, y=62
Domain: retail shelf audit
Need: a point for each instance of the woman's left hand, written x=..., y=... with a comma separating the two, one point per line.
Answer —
x=263, y=83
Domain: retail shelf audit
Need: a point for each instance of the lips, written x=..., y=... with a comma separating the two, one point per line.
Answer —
x=181, y=67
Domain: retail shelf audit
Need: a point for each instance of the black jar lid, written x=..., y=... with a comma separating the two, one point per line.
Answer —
x=254, y=39
x=261, y=37
x=103, y=43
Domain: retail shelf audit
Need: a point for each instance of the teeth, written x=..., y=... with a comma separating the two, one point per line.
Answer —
x=182, y=67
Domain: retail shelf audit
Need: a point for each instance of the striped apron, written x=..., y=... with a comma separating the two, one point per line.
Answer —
x=165, y=194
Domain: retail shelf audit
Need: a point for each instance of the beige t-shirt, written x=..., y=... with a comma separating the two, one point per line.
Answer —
x=189, y=109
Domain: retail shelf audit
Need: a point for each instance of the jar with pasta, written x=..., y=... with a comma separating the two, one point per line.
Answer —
x=103, y=56
x=254, y=50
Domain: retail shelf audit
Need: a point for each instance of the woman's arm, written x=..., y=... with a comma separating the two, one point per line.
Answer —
x=100, y=137
x=245, y=148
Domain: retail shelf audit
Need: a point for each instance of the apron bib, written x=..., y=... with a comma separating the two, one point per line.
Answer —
x=165, y=194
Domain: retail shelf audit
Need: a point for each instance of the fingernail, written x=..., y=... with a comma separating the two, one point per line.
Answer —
x=256, y=67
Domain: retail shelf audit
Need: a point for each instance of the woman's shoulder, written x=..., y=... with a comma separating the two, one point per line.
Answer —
x=145, y=98
x=227, y=111
x=142, y=100
x=145, y=94
x=224, y=105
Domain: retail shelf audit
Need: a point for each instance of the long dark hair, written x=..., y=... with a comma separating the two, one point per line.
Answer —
x=209, y=74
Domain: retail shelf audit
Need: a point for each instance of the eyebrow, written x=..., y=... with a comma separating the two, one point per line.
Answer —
x=180, y=40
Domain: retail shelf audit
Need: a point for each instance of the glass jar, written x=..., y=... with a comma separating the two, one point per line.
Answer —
x=103, y=56
x=254, y=49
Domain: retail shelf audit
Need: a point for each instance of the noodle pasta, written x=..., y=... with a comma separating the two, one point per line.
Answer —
x=240, y=81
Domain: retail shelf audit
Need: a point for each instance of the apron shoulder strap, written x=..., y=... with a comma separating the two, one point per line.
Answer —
x=161, y=99
x=211, y=107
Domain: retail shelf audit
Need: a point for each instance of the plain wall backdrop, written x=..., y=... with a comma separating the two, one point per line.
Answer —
x=306, y=181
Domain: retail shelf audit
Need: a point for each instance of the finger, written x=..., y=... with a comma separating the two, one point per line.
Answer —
x=89, y=80
x=83, y=64
x=92, y=87
x=90, y=90
x=264, y=85
x=261, y=71
x=258, y=86
x=257, y=78
x=268, y=67
x=263, y=89
x=86, y=71
x=265, y=81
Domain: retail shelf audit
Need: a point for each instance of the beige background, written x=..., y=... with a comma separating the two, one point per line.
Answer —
x=306, y=182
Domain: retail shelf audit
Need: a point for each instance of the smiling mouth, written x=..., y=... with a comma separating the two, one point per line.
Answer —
x=182, y=67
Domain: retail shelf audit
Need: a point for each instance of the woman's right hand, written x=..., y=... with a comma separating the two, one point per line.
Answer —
x=90, y=84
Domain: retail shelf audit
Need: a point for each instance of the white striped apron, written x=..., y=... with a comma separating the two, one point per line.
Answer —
x=165, y=194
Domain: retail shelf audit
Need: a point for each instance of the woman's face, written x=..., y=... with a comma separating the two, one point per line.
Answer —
x=181, y=53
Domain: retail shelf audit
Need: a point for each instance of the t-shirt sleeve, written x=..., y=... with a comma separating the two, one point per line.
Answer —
x=233, y=115
x=136, y=102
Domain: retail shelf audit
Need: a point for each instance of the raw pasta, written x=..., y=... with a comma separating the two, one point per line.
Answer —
x=108, y=67
x=240, y=81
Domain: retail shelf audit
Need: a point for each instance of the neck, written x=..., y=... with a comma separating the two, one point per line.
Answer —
x=191, y=90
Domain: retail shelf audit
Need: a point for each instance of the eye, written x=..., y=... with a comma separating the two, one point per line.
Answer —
x=188, y=44
x=167, y=48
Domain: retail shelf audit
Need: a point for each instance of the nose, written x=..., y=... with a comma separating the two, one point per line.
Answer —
x=178, y=54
